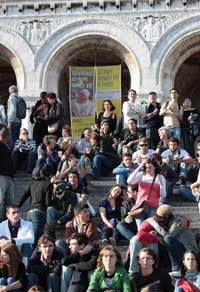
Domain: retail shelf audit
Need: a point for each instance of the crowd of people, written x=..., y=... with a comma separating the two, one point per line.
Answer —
x=149, y=149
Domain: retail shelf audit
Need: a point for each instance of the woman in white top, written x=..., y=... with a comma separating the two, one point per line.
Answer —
x=144, y=176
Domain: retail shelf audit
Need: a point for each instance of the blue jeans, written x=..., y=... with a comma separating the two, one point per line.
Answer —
x=175, y=132
x=101, y=164
x=62, y=246
x=135, y=246
x=66, y=278
x=53, y=215
x=38, y=219
x=186, y=192
x=14, y=132
x=151, y=212
x=175, y=250
x=8, y=281
x=52, y=282
x=127, y=230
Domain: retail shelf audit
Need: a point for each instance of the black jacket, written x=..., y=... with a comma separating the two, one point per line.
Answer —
x=38, y=191
x=6, y=165
x=37, y=267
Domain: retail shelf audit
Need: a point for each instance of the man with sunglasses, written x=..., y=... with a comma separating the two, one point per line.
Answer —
x=143, y=153
x=24, y=152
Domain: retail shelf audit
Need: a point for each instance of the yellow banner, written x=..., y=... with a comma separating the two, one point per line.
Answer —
x=82, y=104
x=108, y=86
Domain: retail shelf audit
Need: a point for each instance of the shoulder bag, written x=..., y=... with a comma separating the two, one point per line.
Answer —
x=142, y=208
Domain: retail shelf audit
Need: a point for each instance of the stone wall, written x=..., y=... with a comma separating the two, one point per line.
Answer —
x=153, y=39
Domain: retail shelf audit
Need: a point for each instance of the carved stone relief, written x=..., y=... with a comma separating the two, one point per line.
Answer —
x=36, y=31
x=149, y=27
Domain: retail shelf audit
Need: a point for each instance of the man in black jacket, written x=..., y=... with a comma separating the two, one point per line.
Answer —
x=6, y=173
x=152, y=120
x=61, y=204
x=44, y=267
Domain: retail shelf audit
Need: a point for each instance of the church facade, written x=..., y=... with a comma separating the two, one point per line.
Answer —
x=156, y=41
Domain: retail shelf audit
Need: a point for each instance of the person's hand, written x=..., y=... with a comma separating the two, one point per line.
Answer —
x=84, y=197
x=41, y=152
x=184, y=223
x=128, y=219
x=3, y=288
x=129, y=144
x=166, y=160
x=138, y=160
x=110, y=225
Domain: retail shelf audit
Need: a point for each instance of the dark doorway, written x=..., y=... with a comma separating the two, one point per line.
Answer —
x=188, y=79
x=7, y=78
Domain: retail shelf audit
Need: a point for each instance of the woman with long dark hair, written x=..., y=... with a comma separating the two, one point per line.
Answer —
x=108, y=115
x=12, y=269
x=110, y=212
x=148, y=176
x=55, y=118
x=190, y=280
x=38, y=117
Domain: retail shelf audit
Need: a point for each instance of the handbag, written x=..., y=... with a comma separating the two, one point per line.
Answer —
x=53, y=128
x=142, y=207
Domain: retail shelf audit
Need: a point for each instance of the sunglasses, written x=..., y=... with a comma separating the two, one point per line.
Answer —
x=143, y=145
x=25, y=133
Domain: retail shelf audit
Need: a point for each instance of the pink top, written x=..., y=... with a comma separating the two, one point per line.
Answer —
x=143, y=191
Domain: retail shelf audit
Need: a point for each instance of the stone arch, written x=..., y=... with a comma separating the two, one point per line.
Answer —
x=67, y=40
x=174, y=47
x=18, y=54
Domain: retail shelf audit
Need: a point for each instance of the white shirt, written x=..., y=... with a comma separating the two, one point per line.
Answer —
x=144, y=157
x=132, y=110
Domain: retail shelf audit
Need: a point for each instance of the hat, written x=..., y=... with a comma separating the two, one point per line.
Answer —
x=59, y=188
x=164, y=210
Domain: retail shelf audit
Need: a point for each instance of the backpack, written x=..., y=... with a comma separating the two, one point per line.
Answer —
x=20, y=108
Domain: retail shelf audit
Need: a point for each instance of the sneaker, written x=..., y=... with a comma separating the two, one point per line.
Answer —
x=113, y=241
x=104, y=242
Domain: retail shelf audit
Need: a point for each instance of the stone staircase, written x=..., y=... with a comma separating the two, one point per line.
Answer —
x=98, y=189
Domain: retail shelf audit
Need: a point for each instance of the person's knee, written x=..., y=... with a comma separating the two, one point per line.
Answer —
x=32, y=279
x=10, y=280
x=2, y=281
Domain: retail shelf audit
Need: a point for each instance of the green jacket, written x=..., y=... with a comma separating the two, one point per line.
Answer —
x=121, y=280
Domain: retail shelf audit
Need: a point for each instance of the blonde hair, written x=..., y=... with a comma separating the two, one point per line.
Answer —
x=20, y=132
x=167, y=132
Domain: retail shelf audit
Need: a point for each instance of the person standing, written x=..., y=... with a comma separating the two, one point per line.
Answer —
x=152, y=120
x=131, y=109
x=14, y=123
x=187, y=136
x=6, y=173
x=172, y=113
